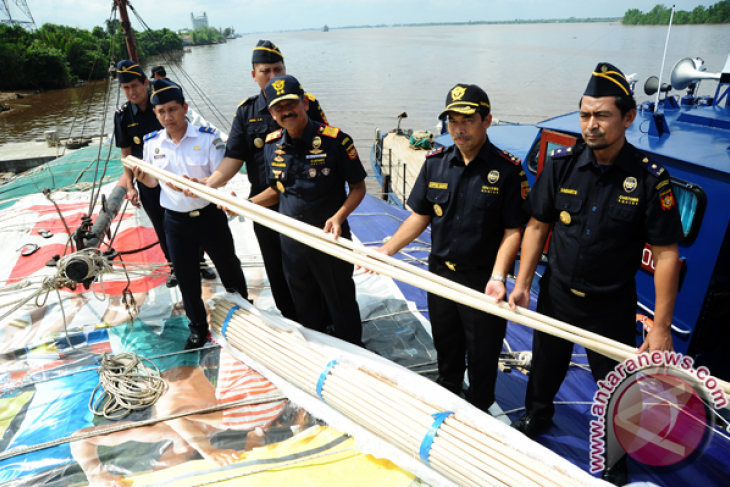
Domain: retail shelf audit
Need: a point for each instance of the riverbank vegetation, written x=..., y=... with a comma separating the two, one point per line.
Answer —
x=56, y=56
x=718, y=13
x=204, y=35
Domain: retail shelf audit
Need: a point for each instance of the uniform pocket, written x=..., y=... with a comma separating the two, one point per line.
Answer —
x=568, y=202
x=623, y=213
x=437, y=196
x=483, y=201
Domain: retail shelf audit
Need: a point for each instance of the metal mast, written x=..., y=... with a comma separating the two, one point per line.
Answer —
x=23, y=6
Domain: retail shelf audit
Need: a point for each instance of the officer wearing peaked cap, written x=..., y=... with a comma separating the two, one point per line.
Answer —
x=251, y=124
x=307, y=166
x=606, y=200
x=190, y=223
x=471, y=194
x=132, y=122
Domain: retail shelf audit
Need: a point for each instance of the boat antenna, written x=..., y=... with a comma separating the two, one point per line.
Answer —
x=661, y=71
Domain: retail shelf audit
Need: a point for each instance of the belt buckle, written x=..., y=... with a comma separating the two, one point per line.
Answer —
x=193, y=214
x=580, y=294
x=450, y=265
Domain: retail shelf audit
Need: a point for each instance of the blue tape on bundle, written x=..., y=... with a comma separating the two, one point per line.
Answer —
x=428, y=439
x=323, y=377
x=228, y=319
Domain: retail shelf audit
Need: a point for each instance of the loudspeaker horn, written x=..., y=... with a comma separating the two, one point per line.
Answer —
x=652, y=84
x=684, y=73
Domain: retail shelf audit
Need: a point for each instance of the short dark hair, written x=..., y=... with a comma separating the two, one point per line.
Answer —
x=181, y=101
x=624, y=103
x=253, y=65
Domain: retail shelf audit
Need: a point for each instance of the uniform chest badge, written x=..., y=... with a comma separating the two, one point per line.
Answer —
x=279, y=152
x=316, y=144
x=157, y=151
x=565, y=217
x=279, y=159
x=325, y=171
x=437, y=210
x=196, y=147
x=280, y=186
x=258, y=142
x=493, y=176
x=630, y=184
x=312, y=172
x=136, y=140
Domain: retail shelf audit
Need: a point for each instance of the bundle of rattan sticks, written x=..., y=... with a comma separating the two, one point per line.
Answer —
x=388, y=266
x=464, y=454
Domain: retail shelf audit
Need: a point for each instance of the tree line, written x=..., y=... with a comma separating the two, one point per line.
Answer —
x=718, y=13
x=56, y=56
x=207, y=35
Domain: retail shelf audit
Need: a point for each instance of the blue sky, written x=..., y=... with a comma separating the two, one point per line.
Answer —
x=277, y=15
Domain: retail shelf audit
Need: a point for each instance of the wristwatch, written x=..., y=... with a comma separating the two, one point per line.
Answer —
x=497, y=278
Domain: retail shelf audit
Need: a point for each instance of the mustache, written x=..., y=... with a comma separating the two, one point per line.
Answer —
x=595, y=132
x=289, y=115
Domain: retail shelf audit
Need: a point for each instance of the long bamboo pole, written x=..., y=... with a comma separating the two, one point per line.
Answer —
x=388, y=266
x=472, y=458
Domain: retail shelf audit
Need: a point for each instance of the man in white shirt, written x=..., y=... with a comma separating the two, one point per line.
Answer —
x=190, y=223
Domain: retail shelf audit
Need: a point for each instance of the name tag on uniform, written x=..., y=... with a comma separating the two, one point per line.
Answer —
x=490, y=189
x=316, y=162
x=568, y=191
x=278, y=164
x=628, y=200
x=316, y=156
x=159, y=156
x=438, y=185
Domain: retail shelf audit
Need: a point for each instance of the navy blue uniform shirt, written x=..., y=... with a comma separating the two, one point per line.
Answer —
x=312, y=171
x=603, y=219
x=254, y=121
x=131, y=124
x=470, y=205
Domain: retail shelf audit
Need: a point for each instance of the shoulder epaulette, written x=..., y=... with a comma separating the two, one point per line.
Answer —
x=151, y=135
x=310, y=96
x=207, y=130
x=247, y=101
x=653, y=167
x=435, y=152
x=328, y=131
x=564, y=152
x=121, y=108
x=274, y=135
x=506, y=155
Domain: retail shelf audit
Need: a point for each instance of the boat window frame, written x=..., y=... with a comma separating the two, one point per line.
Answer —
x=547, y=136
x=701, y=196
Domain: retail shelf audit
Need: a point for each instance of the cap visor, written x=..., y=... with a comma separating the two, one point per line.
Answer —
x=282, y=98
x=461, y=109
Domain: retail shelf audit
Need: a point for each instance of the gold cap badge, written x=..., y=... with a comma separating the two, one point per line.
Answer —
x=457, y=93
x=278, y=86
x=565, y=217
x=437, y=210
x=258, y=142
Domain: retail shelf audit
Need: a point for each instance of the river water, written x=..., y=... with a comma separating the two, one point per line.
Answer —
x=365, y=77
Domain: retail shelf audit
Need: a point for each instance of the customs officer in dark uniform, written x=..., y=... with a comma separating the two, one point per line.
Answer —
x=472, y=195
x=132, y=121
x=308, y=164
x=605, y=199
x=251, y=124
x=190, y=223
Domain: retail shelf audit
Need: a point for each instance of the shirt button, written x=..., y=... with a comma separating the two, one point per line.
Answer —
x=565, y=205
x=588, y=232
x=600, y=183
x=580, y=256
x=623, y=214
x=454, y=239
x=594, y=208
x=461, y=195
x=457, y=217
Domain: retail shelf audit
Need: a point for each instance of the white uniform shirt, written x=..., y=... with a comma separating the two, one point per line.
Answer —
x=197, y=155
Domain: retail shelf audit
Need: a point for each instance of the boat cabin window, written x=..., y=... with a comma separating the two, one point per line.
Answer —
x=691, y=202
x=549, y=141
